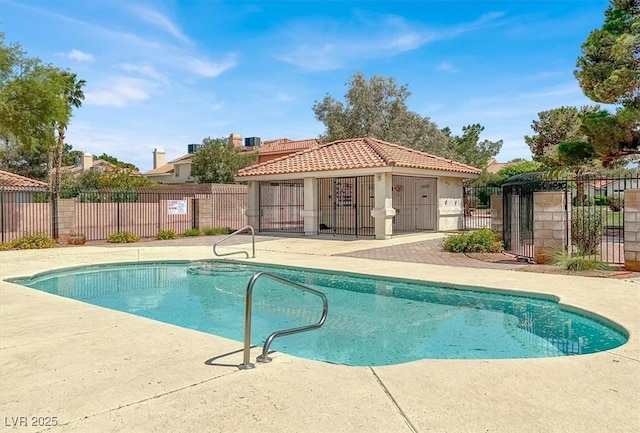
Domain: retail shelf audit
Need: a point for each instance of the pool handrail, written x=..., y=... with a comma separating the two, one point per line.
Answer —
x=264, y=358
x=253, y=243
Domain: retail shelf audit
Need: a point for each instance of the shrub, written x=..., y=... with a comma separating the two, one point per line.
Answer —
x=572, y=262
x=587, y=228
x=600, y=200
x=191, y=232
x=34, y=241
x=166, y=234
x=582, y=201
x=122, y=238
x=479, y=241
x=213, y=231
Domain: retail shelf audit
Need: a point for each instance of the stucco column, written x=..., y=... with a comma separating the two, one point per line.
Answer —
x=253, y=204
x=66, y=218
x=203, y=208
x=310, y=211
x=632, y=230
x=383, y=212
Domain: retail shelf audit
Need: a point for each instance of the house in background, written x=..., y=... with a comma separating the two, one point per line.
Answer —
x=86, y=163
x=19, y=189
x=356, y=187
x=178, y=170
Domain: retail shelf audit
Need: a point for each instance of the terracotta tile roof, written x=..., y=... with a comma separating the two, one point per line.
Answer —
x=10, y=180
x=286, y=145
x=353, y=154
x=168, y=168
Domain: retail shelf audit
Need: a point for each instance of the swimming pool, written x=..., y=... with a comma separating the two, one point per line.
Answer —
x=372, y=321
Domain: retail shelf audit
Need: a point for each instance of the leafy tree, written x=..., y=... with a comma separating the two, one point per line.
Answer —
x=218, y=162
x=514, y=167
x=120, y=178
x=468, y=149
x=554, y=127
x=73, y=96
x=69, y=155
x=115, y=161
x=609, y=70
x=377, y=108
x=35, y=105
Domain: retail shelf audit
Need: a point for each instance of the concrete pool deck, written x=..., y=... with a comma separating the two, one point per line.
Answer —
x=98, y=370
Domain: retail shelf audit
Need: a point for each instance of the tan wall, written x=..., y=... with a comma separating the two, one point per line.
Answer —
x=632, y=230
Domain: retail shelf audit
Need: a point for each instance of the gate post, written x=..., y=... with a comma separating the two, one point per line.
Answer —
x=497, y=223
x=253, y=204
x=383, y=212
x=632, y=230
x=550, y=223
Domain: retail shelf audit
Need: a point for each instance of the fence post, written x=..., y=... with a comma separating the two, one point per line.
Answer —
x=203, y=213
x=497, y=223
x=550, y=223
x=632, y=230
x=65, y=218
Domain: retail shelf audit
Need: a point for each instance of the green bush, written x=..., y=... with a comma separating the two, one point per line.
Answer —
x=479, y=241
x=33, y=241
x=587, y=228
x=166, y=234
x=191, y=232
x=122, y=238
x=582, y=201
x=600, y=200
x=214, y=231
x=572, y=262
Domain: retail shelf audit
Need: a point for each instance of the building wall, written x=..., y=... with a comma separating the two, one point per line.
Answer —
x=450, y=204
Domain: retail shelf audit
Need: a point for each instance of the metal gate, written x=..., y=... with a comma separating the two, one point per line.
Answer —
x=415, y=202
x=281, y=205
x=345, y=204
x=518, y=220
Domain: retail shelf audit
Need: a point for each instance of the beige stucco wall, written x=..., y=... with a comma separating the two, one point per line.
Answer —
x=450, y=206
x=632, y=230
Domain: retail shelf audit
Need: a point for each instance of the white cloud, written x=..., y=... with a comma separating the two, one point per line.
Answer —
x=446, y=67
x=146, y=70
x=154, y=17
x=120, y=92
x=208, y=69
x=328, y=45
x=79, y=56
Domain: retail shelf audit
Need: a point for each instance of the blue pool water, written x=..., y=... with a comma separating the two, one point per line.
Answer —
x=371, y=321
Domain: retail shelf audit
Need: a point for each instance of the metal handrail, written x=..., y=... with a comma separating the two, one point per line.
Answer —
x=246, y=364
x=253, y=243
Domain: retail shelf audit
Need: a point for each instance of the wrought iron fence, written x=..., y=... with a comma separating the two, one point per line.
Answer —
x=477, y=205
x=344, y=205
x=416, y=203
x=23, y=212
x=281, y=205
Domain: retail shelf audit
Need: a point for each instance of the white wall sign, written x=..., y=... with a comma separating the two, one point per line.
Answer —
x=176, y=207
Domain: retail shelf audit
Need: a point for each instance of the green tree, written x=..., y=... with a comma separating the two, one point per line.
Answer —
x=72, y=96
x=554, y=127
x=514, y=167
x=33, y=108
x=115, y=161
x=120, y=178
x=469, y=149
x=218, y=162
x=377, y=108
x=609, y=69
x=69, y=155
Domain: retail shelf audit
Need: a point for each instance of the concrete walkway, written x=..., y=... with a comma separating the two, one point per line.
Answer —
x=98, y=370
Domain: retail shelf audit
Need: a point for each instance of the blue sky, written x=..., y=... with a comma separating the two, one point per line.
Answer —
x=168, y=73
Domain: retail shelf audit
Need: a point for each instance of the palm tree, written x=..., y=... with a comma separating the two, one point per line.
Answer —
x=73, y=96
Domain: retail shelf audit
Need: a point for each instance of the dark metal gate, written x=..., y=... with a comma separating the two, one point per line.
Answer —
x=281, y=205
x=345, y=204
x=415, y=202
x=518, y=220
x=477, y=205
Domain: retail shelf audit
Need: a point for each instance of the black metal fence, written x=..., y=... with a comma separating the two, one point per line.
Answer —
x=477, y=205
x=24, y=211
x=593, y=215
x=344, y=205
x=281, y=205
